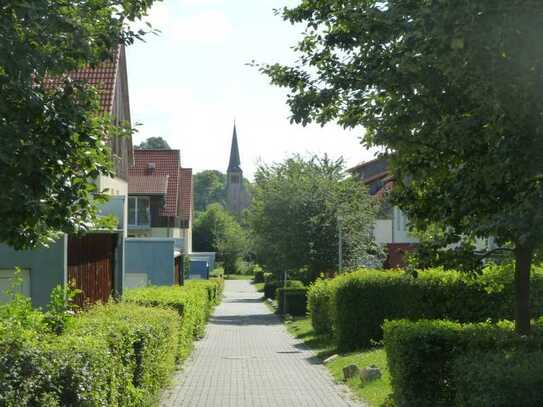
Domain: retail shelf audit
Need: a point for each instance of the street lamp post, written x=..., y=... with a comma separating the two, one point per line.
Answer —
x=340, y=244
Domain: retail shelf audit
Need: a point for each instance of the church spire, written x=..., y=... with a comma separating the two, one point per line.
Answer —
x=234, y=164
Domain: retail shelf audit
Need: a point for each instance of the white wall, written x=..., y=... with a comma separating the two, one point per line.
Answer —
x=382, y=231
x=116, y=187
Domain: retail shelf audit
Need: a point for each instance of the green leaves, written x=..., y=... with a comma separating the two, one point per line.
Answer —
x=295, y=211
x=55, y=142
x=450, y=89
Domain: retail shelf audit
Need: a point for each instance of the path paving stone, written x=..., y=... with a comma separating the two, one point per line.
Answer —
x=247, y=359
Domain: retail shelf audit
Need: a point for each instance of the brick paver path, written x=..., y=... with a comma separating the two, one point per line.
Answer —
x=247, y=359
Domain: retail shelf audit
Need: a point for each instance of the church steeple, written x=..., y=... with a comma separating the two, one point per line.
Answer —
x=237, y=198
x=234, y=163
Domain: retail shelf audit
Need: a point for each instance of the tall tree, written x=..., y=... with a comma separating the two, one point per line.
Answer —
x=216, y=230
x=154, y=143
x=452, y=90
x=209, y=188
x=54, y=141
x=299, y=209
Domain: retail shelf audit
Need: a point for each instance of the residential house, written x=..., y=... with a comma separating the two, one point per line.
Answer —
x=95, y=262
x=159, y=218
x=392, y=226
x=160, y=198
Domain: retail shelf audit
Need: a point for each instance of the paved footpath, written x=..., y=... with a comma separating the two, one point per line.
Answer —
x=247, y=359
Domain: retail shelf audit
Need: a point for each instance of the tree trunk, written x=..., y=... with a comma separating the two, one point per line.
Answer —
x=523, y=265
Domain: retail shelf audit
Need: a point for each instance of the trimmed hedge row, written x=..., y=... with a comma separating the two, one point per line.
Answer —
x=296, y=301
x=114, y=355
x=321, y=304
x=442, y=363
x=270, y=287
x=191, y=302
x=355, y=305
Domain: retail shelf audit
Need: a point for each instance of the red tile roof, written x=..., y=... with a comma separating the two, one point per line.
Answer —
x=148, y=184
x=102, y=77
x=166, y=163
x=185, y=197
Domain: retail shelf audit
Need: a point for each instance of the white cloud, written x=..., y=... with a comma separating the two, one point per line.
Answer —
x=210, y=27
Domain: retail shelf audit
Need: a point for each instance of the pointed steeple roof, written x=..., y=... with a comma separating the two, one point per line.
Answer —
x=234, y=164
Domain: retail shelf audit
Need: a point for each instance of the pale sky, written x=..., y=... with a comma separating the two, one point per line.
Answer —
x=189, y=83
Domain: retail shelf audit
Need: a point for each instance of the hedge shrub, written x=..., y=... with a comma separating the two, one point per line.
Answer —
x=499, y=380
x=271, y=287
x=191, y=303
x=364, y=299
x=145, y=340
x=428, y=363
x=296, y=301
x=321, y=304
x=114, y=355
x=213, y=286
x=259, y=276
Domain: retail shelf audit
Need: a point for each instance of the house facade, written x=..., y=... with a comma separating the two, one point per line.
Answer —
x=94, y=263
x=160, y=198
x=391, y=226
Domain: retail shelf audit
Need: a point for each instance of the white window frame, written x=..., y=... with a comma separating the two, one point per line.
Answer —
x=137, y=199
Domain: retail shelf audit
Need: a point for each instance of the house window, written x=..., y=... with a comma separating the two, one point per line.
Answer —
x=139, y=213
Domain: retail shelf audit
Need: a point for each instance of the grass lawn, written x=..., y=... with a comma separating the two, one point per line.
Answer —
x=259, y=287
x=373, y=393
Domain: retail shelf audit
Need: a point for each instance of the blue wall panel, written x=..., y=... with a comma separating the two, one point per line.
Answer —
x=153, y=257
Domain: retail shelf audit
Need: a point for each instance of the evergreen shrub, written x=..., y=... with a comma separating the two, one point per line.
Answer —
x=113, y=355
x=366, y=298
x=191, y=302
x=270, y=287
x=437, y=363
x=296, y=301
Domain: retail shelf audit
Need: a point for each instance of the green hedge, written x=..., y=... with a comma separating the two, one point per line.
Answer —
x=364, y=299
x=145, y=340
x=499, y=380
x=321, y=304
x=259, y=276
x=270, y=287
x=428, y=363
x=114, y=355
x=191, y=303
x=213, y=286
x=296, y=301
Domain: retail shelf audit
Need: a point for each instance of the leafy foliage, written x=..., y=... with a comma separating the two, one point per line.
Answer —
x=55, y=141
x=217, y=230
x=292, y=301
x=209, y=188
x=426, y=358
x=450, y=89
x=297, y=208
x=153, y=143
x=192, y=305
x=354, y=306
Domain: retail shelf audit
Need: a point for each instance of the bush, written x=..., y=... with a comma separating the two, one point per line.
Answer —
x=213, y=286
x=191, y=302
x=271, y=287
x=321, y=304
x=499, y=380
x=144, y=339
x=259, y=276
x=426, y=359
x=114, y=355
x=364, y=299
x=296, y=301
